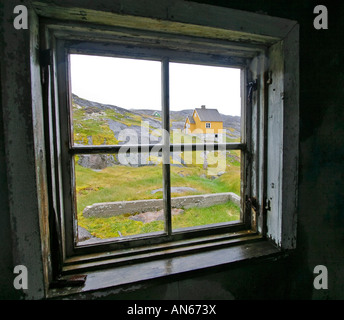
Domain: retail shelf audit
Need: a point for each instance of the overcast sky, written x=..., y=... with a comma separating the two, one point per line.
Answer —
x=136, y=84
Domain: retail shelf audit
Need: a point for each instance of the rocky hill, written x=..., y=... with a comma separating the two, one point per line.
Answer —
x=103, y=124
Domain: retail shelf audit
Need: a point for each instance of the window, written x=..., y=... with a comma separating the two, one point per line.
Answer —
x=145, y=167
x=82, y=133
x=126, y=197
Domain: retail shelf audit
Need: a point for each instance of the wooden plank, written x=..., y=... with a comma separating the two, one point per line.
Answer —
x=275, y=141
x=67, y=178
x=155, y=147
x=114, y=278
x=165, y=92
x=138, y=50
x=177, y=242
x=178, y=17
x=167, y=252
x=290, y=139
x=72, y=30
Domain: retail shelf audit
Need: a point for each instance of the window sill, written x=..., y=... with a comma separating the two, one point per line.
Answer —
x=115, y=280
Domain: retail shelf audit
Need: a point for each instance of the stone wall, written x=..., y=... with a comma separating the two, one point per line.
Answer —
x=110, y=209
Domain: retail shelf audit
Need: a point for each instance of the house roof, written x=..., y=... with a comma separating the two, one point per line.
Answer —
x=209, y=114
x=191, y=119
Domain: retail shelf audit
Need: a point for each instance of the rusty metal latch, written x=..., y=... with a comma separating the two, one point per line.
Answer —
x=252, y=86
x=253, y=203
x=267, y=204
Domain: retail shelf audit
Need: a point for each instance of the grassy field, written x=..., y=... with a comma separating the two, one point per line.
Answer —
x=113, y=226
x=123, y=183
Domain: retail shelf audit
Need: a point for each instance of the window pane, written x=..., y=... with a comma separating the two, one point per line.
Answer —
x=118, y=196
x=205, y=103
x=115, y=100
x=206, y=186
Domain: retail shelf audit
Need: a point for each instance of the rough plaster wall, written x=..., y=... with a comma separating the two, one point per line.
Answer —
x=6, y=262
x=19, y=155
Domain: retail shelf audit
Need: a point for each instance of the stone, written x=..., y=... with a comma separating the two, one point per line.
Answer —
x=83, y=234
x=96, y=161
x=150, y=216
x=111, y=209
x=176, y=190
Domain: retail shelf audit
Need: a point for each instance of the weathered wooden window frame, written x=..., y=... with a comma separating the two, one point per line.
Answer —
x=263, y=61
x=66, y=44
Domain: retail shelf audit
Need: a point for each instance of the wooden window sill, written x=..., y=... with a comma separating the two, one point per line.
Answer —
x=135, y=276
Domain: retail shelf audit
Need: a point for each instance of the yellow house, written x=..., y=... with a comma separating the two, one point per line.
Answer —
x=206, y=121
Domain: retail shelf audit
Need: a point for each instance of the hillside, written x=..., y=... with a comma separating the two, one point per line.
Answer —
x=103, y=124
x=118, y=118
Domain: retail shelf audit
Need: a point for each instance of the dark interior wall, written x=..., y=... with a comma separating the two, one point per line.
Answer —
x=6, y=263
x=320, y=215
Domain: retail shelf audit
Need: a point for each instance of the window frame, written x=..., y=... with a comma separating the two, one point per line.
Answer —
x=75, y=150
x=58, y=30
x=63, y=45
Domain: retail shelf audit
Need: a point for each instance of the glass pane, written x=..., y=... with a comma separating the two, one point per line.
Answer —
x=205, y=108
x=205, y=187
x=205, y=103
x=118, y=196
x=115, y=100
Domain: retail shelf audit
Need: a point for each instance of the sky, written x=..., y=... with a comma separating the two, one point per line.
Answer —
x=136, y=84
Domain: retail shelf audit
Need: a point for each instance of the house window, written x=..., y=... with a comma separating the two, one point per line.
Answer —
x=126, y=178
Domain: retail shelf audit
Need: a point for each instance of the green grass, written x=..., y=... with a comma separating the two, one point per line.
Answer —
x=204, y=216
x=95, y=127
x=114, y=226
x=120, y=183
